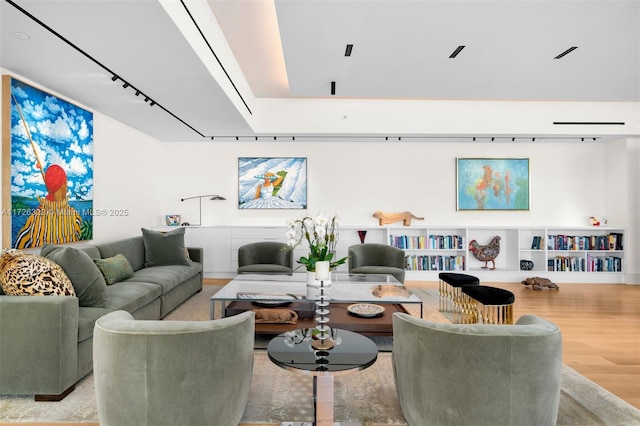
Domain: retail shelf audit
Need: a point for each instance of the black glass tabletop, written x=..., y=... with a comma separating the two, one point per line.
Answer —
x=293, y=350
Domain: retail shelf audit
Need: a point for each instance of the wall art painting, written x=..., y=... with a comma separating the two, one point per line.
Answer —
x=493, y=183
x=272, y=183
x=47, y=170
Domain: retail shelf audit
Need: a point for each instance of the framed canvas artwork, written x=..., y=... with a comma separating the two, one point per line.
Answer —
x=47, y=168
x=492, y=183
x=272, y=183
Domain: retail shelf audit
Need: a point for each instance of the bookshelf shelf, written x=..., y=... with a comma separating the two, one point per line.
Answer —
x=580, y=254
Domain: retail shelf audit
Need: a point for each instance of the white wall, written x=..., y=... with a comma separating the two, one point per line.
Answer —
x=358, y=178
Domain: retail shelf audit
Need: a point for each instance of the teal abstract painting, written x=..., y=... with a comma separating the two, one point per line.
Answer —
x=492, y=183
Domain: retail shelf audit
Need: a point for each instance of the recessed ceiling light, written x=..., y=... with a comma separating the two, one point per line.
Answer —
x=566, y=52
x=348, y=50
x=21, y=36
x=456, y=52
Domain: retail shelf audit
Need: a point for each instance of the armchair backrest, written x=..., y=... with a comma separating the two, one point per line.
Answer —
x=473, y=374
x=172, y=372
x=371, y=254
x=265, y=252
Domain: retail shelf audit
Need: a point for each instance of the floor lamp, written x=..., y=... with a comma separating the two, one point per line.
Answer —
x=200, y=197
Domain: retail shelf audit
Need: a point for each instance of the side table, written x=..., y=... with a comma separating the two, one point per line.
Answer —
x=354, y=353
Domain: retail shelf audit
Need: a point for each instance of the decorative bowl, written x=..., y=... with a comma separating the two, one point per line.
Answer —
x=366, y=310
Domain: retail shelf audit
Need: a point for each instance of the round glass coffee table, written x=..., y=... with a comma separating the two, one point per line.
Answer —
x=293, y=352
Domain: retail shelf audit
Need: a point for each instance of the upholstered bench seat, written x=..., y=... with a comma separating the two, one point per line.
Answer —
x=493, y=305
x=449, y=289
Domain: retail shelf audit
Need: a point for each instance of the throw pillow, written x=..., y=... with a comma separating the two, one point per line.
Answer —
x=23, y=274
x=164, y=248
x=115, y=269
x=85, y=276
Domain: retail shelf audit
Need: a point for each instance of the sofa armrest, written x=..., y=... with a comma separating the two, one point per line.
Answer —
x=38, y=344
x=196, y=254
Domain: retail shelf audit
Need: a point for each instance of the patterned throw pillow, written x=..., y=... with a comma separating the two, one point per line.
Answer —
x=115, y=269
x=23, y=274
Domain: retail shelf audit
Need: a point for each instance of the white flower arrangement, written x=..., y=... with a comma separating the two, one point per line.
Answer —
x=321, y=233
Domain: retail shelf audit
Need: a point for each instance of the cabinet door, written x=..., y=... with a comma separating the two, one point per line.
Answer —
x=216, y=243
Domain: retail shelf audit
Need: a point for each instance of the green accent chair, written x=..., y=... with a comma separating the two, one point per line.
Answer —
x=376, y=259
x=477, y=374
x=265, y=257
x=172, y=372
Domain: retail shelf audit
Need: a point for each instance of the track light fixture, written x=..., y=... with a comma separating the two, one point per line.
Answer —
x=114, y=78
x=152, y=103
x=456, y=52
x=137, y=93
x=333, y=88
x=347, y=51
x=125, y=85
x=566, y=52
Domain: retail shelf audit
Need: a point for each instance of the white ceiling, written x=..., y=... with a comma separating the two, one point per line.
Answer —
x=208, y=78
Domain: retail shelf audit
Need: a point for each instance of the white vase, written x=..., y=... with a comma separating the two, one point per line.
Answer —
x=313, y=286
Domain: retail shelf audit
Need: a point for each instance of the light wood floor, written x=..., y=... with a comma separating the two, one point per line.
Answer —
x=600, y=326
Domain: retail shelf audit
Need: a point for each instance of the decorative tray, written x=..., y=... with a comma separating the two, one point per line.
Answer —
x=265, y=299
x=365, y=310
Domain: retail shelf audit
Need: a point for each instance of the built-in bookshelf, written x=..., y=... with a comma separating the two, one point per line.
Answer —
x=586, y=252
x=580, y=254
x=564, y=254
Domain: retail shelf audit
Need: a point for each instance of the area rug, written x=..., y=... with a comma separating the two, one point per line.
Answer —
x=368, y=396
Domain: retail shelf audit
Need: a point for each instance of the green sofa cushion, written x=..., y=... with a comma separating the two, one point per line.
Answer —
x=115, y=269
x=164, y=248
x=168, y=277
x=131, y=296
x=132, y=248
x=88, y=282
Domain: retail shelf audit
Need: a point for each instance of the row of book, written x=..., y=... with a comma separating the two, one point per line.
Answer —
x=590, y=264
x=430, y=242
x=612, y=241
x=434, y=263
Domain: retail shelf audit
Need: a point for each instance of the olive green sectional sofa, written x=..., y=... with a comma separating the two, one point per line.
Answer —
x=46, y=342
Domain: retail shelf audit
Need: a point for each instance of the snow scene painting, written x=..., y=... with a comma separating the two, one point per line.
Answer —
x=272, y=183
x=51, y=163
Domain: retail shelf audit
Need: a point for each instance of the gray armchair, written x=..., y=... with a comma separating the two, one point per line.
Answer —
x=172, y=372
x=376, y=259
x=265, y=257
x=460, y=374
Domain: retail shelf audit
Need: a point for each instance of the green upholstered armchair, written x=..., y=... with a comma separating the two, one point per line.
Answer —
x=265, y=257
x=377, y=259
x=478, y=374
x=172, y=372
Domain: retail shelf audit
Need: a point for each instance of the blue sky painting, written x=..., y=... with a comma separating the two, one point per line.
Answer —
x=46, y=131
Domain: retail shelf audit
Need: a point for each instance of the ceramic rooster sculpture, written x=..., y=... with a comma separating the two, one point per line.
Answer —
x=486, y=253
